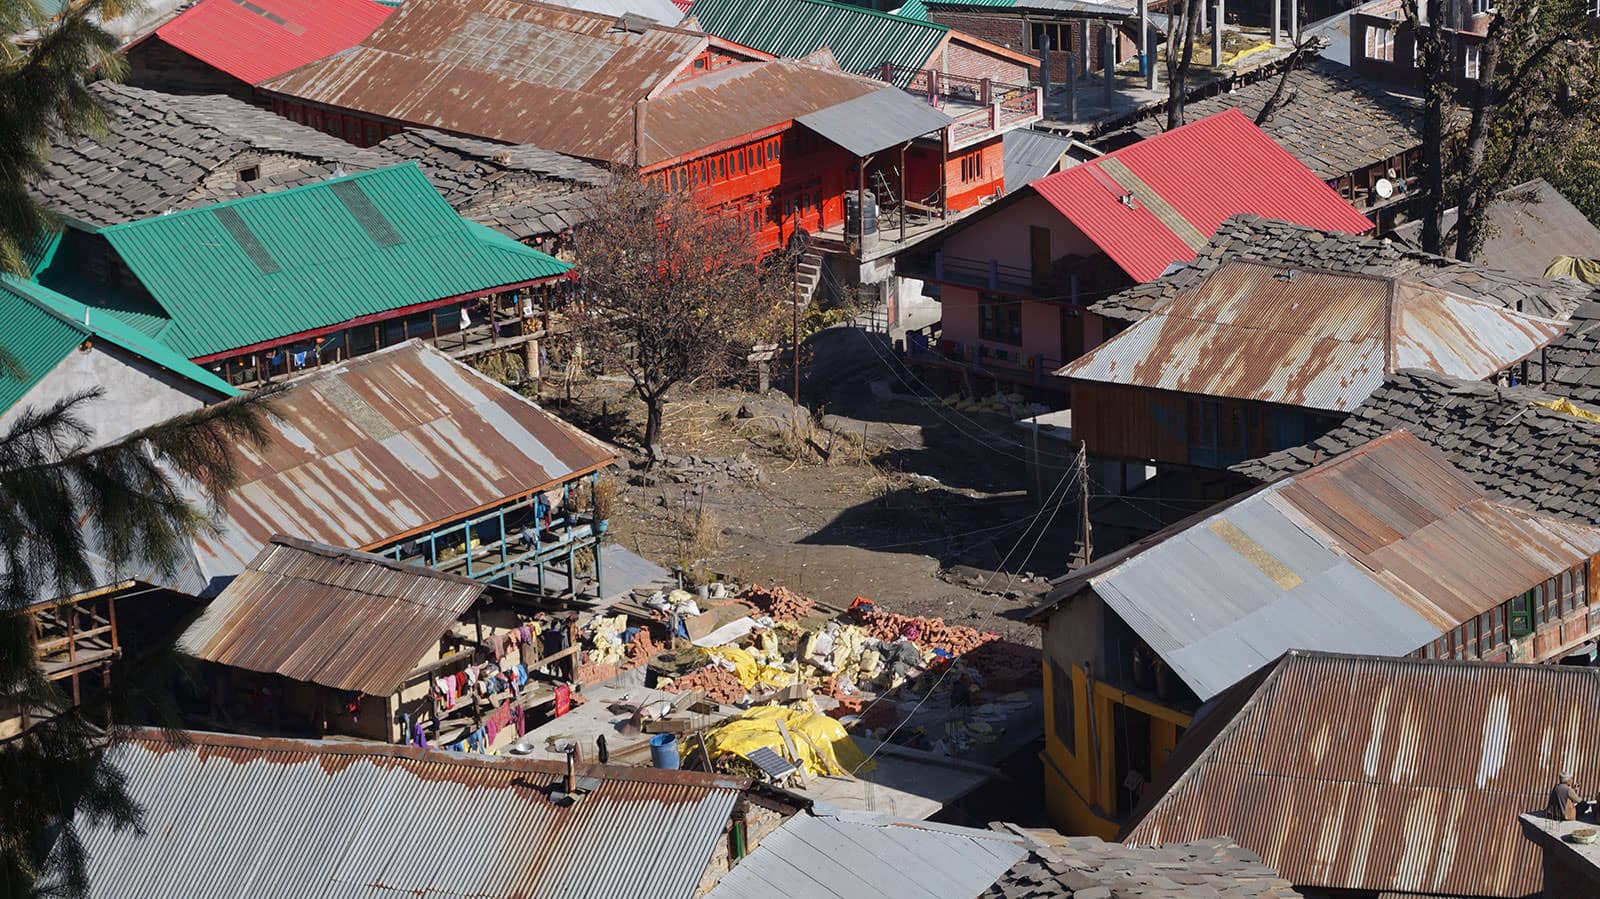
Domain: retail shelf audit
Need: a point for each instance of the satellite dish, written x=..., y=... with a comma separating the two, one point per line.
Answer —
x=1384, y=188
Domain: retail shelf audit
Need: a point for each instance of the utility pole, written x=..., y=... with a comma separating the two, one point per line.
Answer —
x=794, y=315
x=1085, y=537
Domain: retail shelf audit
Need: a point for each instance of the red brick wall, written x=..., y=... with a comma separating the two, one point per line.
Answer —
x=1011, y=31
x=973, y=62
x=989, y=175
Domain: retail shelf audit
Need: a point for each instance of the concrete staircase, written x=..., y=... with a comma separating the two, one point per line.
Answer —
x=808, y=273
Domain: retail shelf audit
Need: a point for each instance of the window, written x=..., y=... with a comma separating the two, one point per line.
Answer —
x=972, y=166
x=1000, y=320
x=1473, y=62
x=250, y=174
x=772, y=150
x=1521, y=616
x=1059, y=33
x=760, y=158
x=738, y=162
x=1063, y=707
x=722, y=167
x=1497, y=625
x=1380, y=42
x=1469, y=638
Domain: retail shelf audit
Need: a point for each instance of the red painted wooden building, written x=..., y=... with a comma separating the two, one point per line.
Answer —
x=777, y=143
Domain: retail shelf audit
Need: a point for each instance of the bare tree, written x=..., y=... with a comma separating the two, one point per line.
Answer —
x=1280, y=96
x=1180, y=56
x=1536, y=78
x=674, y=293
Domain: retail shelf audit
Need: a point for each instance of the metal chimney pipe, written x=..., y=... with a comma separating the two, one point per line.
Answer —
x=572, y=770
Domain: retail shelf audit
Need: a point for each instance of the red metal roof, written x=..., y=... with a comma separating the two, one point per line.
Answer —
x=1187, y=182
x=263, y=39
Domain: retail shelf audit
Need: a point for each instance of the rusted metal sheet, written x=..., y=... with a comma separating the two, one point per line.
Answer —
x=520, y=72
x=1310, y=338
x=228, y=815
x=343, y=619
x=1378, y=551
x=743, y=99
x=386, y=445
x=1360, y=773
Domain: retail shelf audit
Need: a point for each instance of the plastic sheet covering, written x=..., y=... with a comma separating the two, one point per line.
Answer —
x=1585, y=270
x=751, y=673
x=1568, y=407
x=821, y=742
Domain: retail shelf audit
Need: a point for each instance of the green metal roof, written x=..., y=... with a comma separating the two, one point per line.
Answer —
x=43, y=327
x=860, y=39
x=253, y=270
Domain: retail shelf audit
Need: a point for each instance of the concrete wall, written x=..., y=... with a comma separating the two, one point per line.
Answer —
x=1003, y=236
x=136, y=393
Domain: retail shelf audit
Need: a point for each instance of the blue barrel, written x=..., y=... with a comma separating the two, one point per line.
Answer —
x=664, y=751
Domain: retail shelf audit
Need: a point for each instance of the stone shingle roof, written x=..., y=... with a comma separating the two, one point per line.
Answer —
x=1332, y=119
x=1533, y=457
x=1086, y=867
x=161, y=148
x=522, y=190
x=1282, y=243
x=164, y=152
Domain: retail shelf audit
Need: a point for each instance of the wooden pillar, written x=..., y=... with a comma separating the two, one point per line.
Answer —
x=1110, y=61
x=904, y=209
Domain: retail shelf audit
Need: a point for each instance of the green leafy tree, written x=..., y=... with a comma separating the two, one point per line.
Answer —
x=46, y=65
x=1535, y=93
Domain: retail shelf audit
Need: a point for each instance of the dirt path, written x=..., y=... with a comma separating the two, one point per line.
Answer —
x=925, y=494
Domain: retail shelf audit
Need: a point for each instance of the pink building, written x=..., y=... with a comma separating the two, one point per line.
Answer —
x=1016, y=279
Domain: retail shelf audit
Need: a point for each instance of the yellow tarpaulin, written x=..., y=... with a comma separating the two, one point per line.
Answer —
x=1577, y=268
x=1567, y=407
x=751, y=673
x=822, y=743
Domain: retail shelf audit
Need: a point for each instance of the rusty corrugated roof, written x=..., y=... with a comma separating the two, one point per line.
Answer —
x=269, y=818
x=1305, y=337
x=1373, y=774
x=385, y=445
x=1378, y=551
x=510, y=70
x=340, y=618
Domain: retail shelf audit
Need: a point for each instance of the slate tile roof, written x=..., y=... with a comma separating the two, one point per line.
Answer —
x=1574, y=357
x=1289, y=245
x=161, y=148
x=1090, y=867
x=520, y=190
x=1532, y=457
x=1332, y=119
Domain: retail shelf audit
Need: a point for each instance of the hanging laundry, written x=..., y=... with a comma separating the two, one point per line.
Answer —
x=519, y=719
x=563, y=699
x=300, y=359
x=466, y=320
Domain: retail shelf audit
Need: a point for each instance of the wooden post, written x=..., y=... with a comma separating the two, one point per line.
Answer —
x=903, y=198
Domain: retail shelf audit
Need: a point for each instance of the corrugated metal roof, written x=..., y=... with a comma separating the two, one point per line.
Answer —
x=519, y=72
x=340, y=618
x=389, y=443
x=262, y=39
x=1325, y=340
x=739, y=99
x=1031, y=155
x=860, y=39
x=1386, y=774
x=876, y=121
x=302, y=819
x=830, y=853
x=1379, y=551
x=265, y=267
x=43, y=326
x=666, y=12
x=1204, y=171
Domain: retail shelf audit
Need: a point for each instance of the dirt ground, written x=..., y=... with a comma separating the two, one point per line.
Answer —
x=917, y=516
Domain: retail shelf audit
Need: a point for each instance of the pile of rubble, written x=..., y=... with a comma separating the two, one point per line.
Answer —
x=697, y=469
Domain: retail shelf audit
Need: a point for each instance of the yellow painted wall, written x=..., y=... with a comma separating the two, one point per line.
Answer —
x=1075, y=798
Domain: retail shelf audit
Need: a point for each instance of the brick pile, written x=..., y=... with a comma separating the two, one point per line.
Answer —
x=781, y=603
x=641, y=648
x=721, y=685
x=927, y=633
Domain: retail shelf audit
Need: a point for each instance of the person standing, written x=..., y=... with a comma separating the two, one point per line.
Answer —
x=1564, y=799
